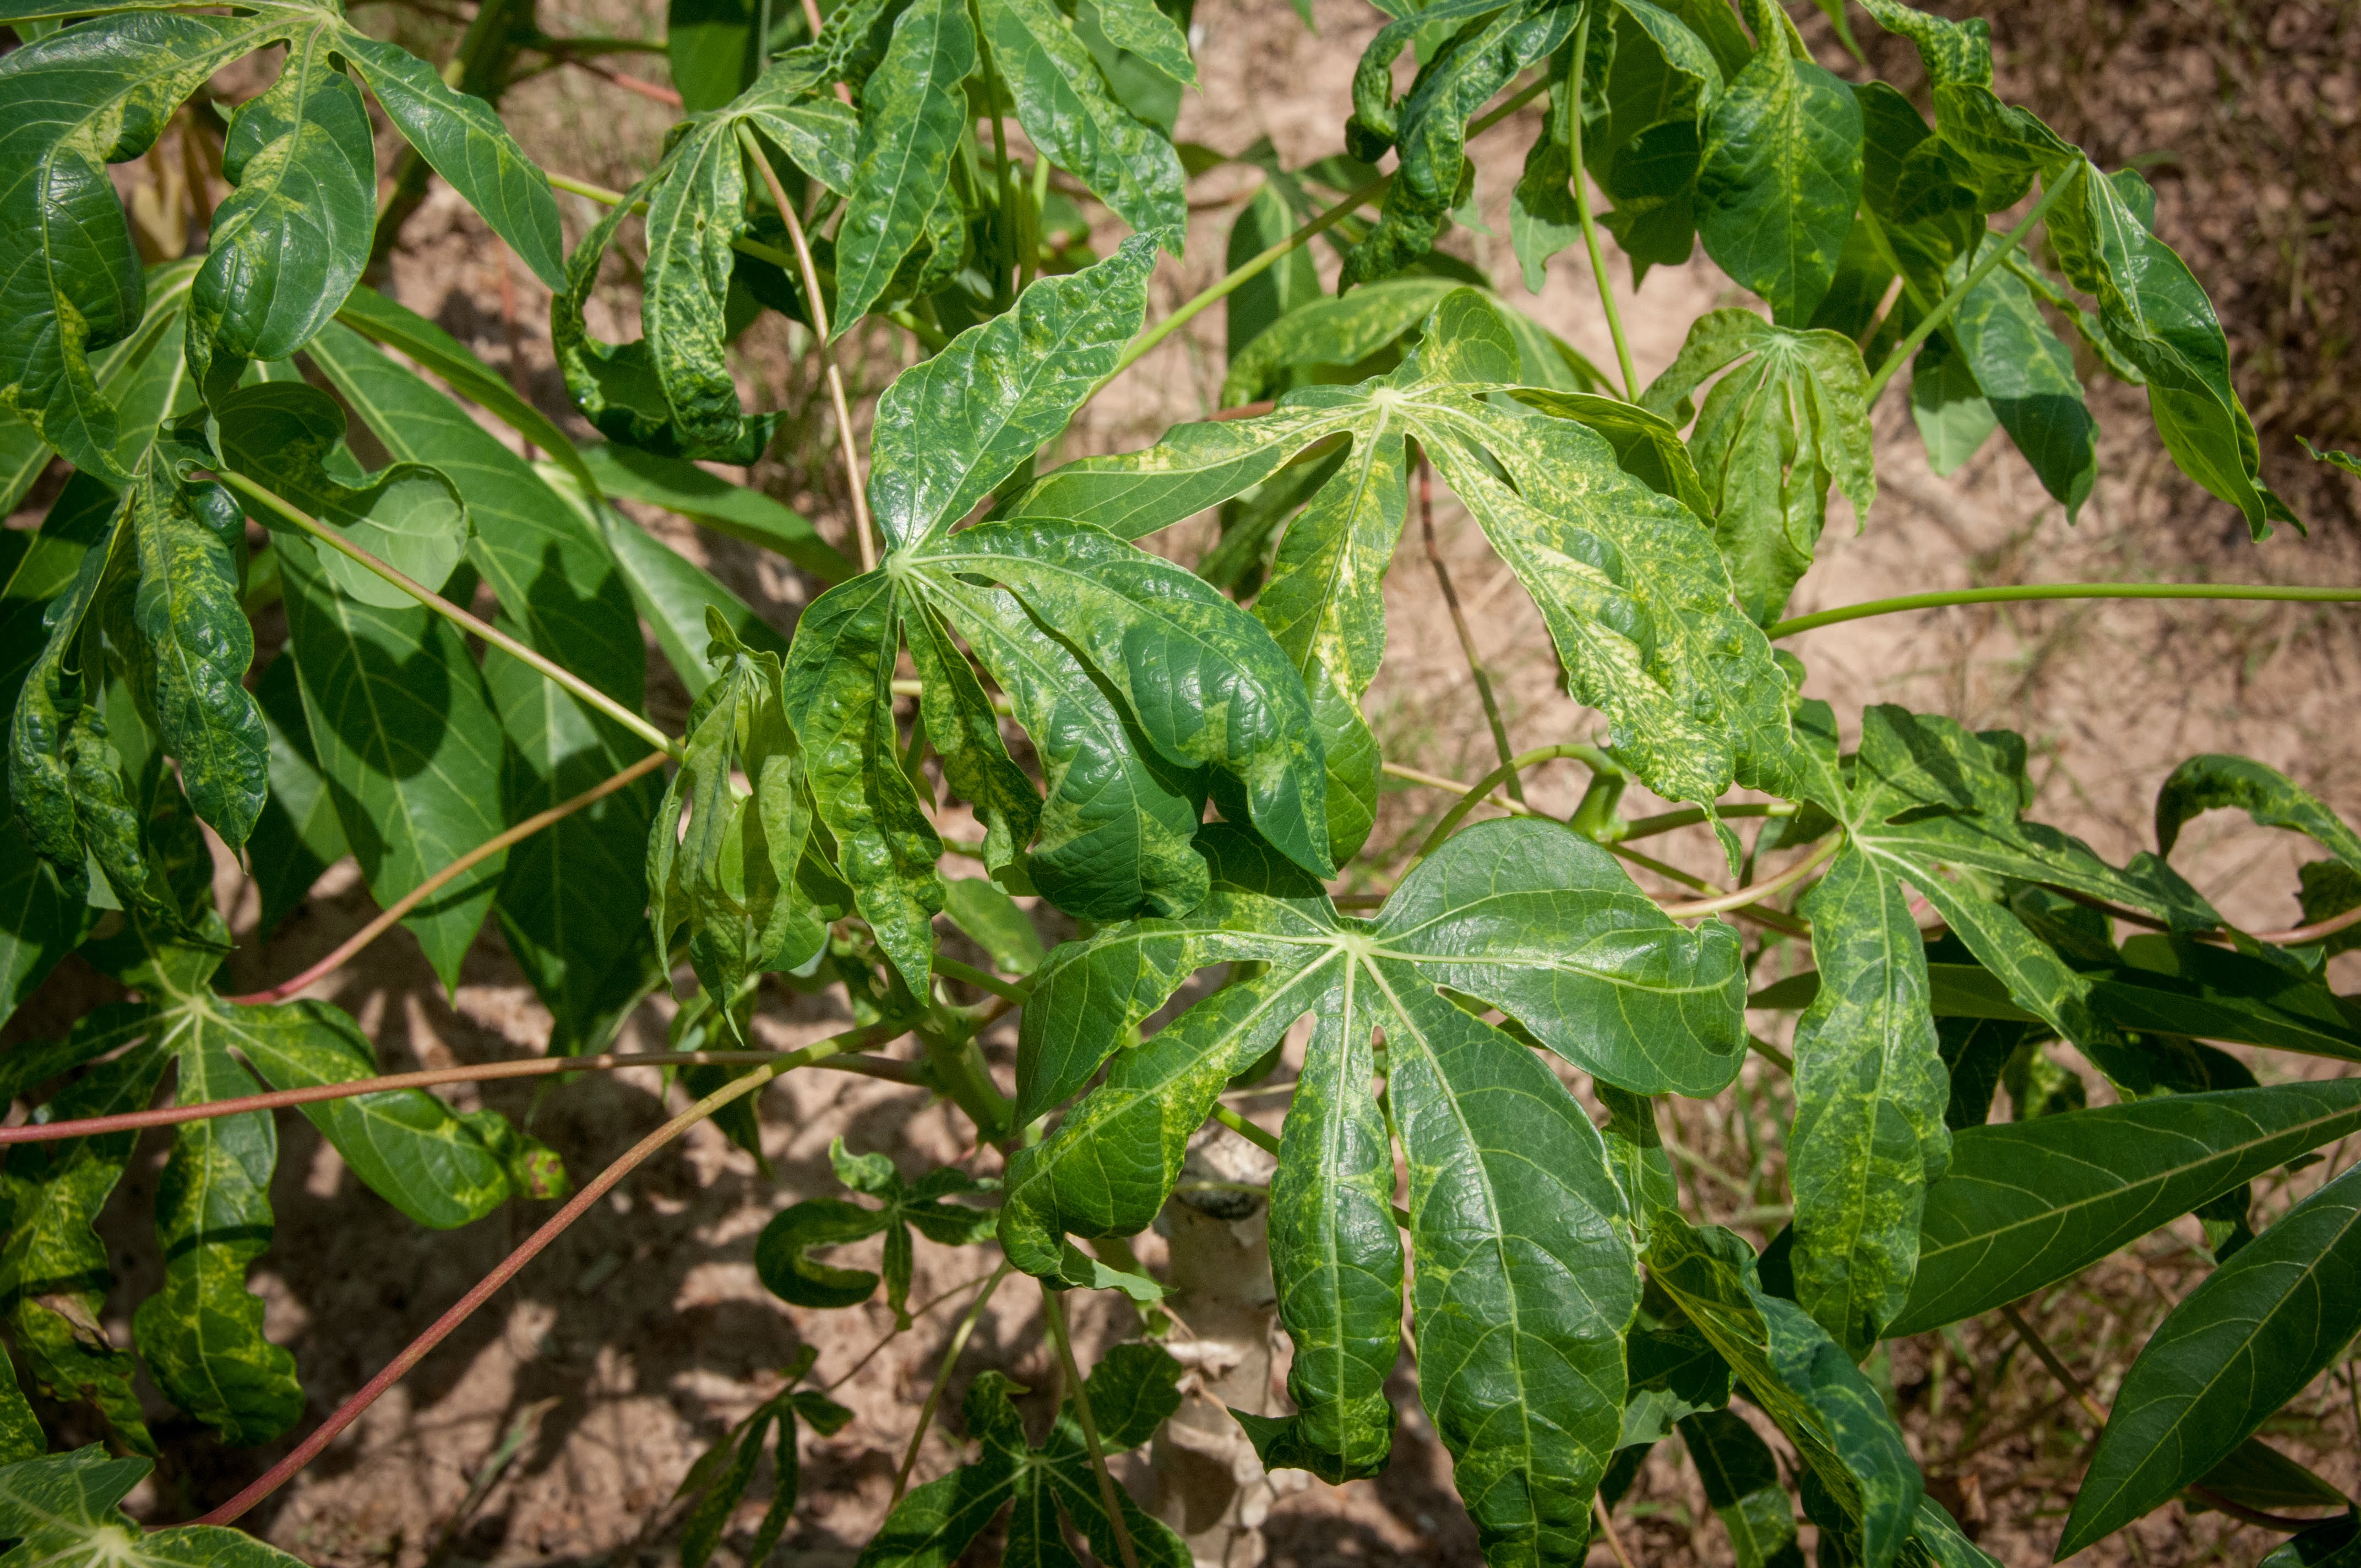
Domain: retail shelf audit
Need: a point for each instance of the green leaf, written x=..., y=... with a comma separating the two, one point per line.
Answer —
x=1290, y=283
x=394, y=326
x=1202, y=679
x=1647, y=445
x=407, y=739
x=78, y=100
x=1637, y=601
x=1949, y=407
x=1350, y=329
x=2027, y=377
x=290, y=437
x=2183, y=987
x=1742, y=1487
x=2334, y=459
x=404, y=1143
x=200, y=1336
x=2027, y=1203
x=714, y=52
x=567, y=892
x=39, y=923
x=1429, y=127
x=730, y=874
x=1781, y=172
x=780, y=1252
x=187, y=539
x=953, y=427
x=2215, y=783
x=2158, y=317
x=1642, y=138
x=1001, y=929
x=53, y=1273
x=290, y=243
x=298, y=835
x=913, y=112
x=1800, y=1377
x=672, y=595
x=737, y=511
x=1870, y=1092
x=1141, y=28
x=964, y=730
x=780, y=1260
x=1063, y=104
x=1773, y=435
x=462, y=138
x=61, y=1511
x=840, y=706
x=2236, y=1348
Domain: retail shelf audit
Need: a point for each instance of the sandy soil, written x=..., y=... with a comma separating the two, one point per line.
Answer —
x=618, y=1357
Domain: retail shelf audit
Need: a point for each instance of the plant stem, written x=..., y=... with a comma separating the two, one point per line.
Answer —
x=1466, y=637
x=1014, y=990
x=889, y=1335
x=1247, y=1130
x=1473, y=794
x=960, y=1337
x=1581, y=184
x=581, y=689
x=1456, y=786
x=1757, y=891
x=1691, y=815
x=841, y=1058
x=1255, y=265
x=1606, y=1527
x=1053, y=1306
x=827, y=353
x=394, y=912
x=2029, y=592
x=485, y=1288
x=1966, y=285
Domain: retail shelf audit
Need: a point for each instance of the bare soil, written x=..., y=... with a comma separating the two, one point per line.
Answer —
x=556, y=1425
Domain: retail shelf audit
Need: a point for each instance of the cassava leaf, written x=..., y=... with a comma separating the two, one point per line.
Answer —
x=200, y=1336
x=922, y=1207
x=566, y=894
x=409, y=1146
x=913, y=112
x=1848, y=1443
x=61, y=1511
x=2214, y=783
x=1742, y=1487
x=1064, y=105
x=676, y=484
x=950, y=429
x=2027, y=1203
x=2236, y=1348
x=1781, y=172
x=1773, y=435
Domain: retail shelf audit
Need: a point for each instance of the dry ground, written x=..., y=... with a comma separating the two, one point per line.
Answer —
x=617, y=1357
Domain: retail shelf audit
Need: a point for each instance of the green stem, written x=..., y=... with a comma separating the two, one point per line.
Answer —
x=2031, y=592
x=1966, y=286
x=1007, y=176
x=1691, y=815
x=984, y=980
x=1259, y=264
x=1054, y=1308
x=1598, y=761
x=1581, y=184
x=960, y=1336
x=582, y=690
x=607, y=198
x=1247, y=1130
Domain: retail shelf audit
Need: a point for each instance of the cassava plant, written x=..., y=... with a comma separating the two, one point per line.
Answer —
x=1177, y=760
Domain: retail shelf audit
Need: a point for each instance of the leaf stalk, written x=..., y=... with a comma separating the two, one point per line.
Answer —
x=1581, y=183
x=2031, y=592
x=1054, y=1308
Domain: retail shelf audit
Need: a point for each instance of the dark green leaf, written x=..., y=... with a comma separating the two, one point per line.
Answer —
x=298, y=836
x=290, y=243
x=914, y=110
x=1001, y=929
x=672, y=595
x=462, y=140
x=2026, y=376
x=2027, y=1203
x=2236, y=1348
x=1781, y=172
x=734, y=510
x=2215, y=783
x=1742, y=1487
x=952, y=428
x=1067, y=111
x=1290, y=283
x=714, y=52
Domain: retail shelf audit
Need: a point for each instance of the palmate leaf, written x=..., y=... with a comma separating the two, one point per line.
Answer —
x=1780, y=172
x=1850, y=1445
x=721, y=1476
x=2236, y=1348
x=1514, y=1312
x=671, y=391
x=2025, y=1204
x=780, y=1252
x=1637, y=601
x=1131, y=1392
x=569, y=896
x=60, y=1509
x=1429, y=127
x=1922, y=798
x=1348, y=329
x=1771, y=437
x=291, y=240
